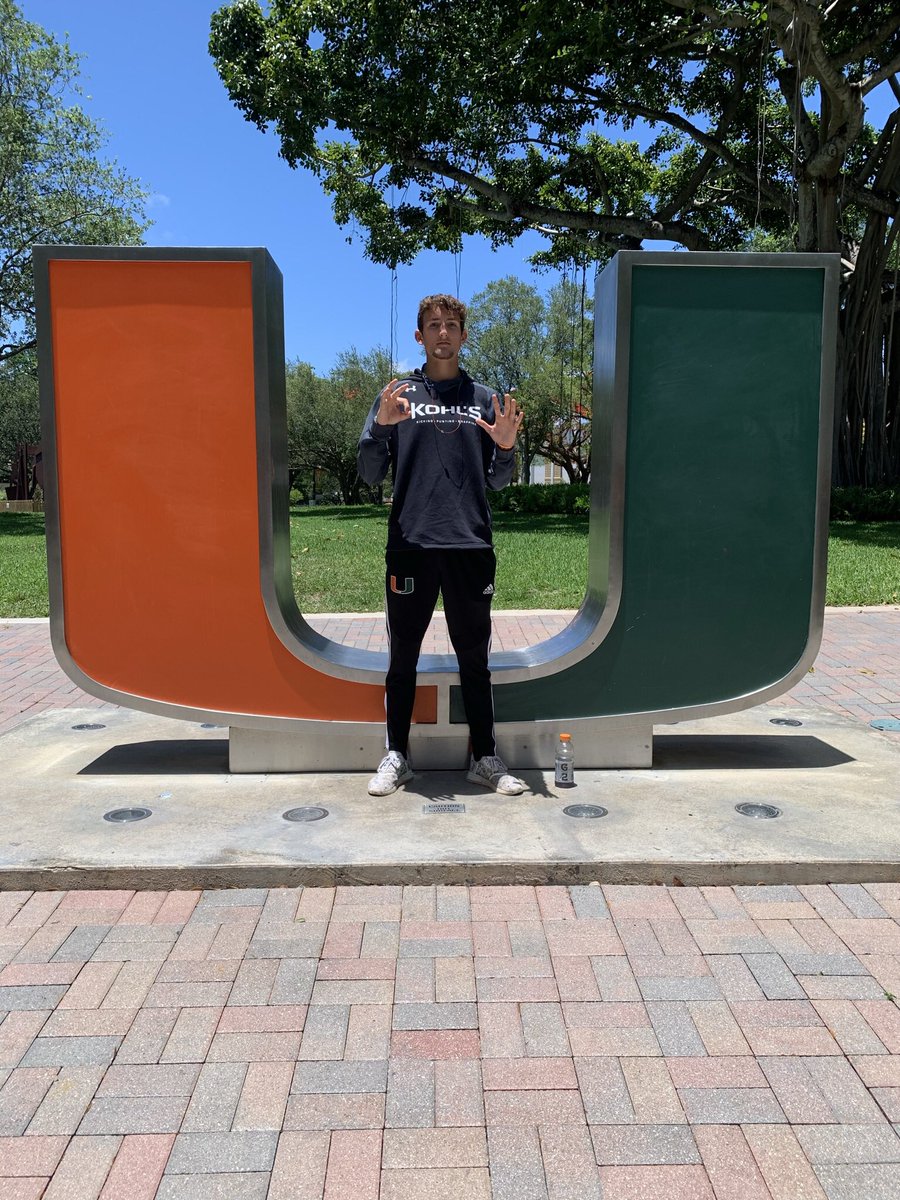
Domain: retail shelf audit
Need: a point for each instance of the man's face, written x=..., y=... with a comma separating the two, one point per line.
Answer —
x=441, y=334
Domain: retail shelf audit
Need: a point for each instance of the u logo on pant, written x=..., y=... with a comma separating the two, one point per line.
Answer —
x=408, y=585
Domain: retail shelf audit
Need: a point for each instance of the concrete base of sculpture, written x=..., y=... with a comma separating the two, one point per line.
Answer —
x=600, y=742
x=833, y=778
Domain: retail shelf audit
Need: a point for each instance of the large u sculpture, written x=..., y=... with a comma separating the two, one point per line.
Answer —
x=162, y=391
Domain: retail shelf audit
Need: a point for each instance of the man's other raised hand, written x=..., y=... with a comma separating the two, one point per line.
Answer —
x=392, y=405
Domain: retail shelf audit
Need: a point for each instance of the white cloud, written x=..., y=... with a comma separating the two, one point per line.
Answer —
x=158, y=200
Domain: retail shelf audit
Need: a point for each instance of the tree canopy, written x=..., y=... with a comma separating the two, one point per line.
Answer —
x=426, y=122
x=55, y=186
x=486, y=115
x=325, y=417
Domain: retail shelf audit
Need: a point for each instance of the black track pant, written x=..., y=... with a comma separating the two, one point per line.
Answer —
x=413, y=580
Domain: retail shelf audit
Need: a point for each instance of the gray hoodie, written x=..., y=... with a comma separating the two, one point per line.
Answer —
x=442, y=463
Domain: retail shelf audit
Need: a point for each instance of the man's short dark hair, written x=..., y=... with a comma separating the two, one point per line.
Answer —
x=442, y=300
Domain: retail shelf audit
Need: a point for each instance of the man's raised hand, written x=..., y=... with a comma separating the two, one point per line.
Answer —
x=392, y=405
x=506, y=421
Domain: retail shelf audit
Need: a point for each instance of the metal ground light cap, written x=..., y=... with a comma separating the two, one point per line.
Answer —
x=585, y=811
x=758, y=811
x=122, y=816
x=305, y=815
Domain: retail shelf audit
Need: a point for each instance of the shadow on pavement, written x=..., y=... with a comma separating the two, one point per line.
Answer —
x=748, y=752
x=446, y=786
x=183, y=756
x=189, y=757
x=671, y=752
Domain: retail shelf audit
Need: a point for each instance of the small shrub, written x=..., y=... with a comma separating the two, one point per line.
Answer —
x=543, y=498
x=865, y=504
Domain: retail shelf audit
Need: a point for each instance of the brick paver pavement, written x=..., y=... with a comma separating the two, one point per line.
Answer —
x=419, y=1043
x=857, y=672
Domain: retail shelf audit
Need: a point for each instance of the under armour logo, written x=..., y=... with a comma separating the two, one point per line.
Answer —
x=489, y=590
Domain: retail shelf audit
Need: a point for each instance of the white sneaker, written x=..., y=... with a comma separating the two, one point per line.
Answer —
x=392, y=771
x=491, y=772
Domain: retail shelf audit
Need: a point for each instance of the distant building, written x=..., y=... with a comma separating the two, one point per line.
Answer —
x=547, y=472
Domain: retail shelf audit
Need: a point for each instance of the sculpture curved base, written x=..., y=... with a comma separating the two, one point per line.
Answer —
x=600, y=742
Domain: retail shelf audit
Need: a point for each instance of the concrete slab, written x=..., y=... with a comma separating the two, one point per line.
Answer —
x=836, y=781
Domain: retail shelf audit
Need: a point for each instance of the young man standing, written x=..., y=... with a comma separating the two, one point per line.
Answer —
x=447, y=439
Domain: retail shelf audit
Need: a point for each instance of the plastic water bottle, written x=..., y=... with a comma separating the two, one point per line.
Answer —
x=565, y=761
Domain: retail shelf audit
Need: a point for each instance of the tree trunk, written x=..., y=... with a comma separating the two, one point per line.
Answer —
x=867, y=449
x=527, y=456
x=892, y=377
x=806, y=215
x=296, y=483
x=350, y=485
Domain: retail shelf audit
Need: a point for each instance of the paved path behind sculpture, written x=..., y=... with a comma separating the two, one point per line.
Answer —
x=857, y=672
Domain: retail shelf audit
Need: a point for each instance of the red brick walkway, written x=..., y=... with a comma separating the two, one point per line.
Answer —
x=857, y=672
x=451, y=1043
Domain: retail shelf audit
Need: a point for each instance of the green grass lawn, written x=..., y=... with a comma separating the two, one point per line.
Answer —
x=23, y=565
x=338, y=561
x=864, y=563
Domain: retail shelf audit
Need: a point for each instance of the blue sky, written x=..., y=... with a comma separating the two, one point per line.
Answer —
x=217, y=181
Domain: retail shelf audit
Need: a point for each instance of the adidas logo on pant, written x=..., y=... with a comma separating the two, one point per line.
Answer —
x=489, y=590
